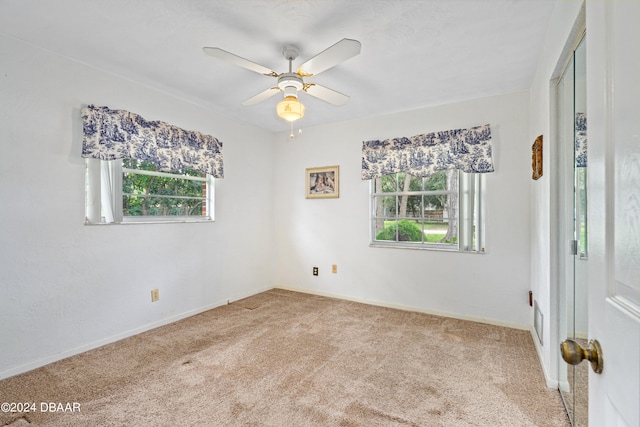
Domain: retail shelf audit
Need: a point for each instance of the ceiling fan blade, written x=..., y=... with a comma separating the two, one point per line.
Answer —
x=333, y=55
x=262, y=96
x=229, y=57
x=326, y=94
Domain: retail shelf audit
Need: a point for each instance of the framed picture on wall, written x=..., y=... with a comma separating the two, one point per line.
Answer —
x=322, y=183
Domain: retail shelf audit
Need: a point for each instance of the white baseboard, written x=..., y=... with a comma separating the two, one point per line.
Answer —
x=511, y=325
x=81, y=349
x=34, y=364
x=551, y=383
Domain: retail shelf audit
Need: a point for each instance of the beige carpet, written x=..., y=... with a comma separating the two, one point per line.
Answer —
x=283, y=358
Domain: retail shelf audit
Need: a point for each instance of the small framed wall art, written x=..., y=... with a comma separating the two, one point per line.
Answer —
x=323, y=182
x=536, y=158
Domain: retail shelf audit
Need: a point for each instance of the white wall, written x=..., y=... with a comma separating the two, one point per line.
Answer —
x=320, y=232
x=544, y=196
x=66, y=287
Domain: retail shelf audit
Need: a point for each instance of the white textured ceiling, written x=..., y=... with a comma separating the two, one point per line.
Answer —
x=414, y=53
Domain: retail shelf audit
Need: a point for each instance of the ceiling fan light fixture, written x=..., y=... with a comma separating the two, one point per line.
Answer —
x=290, y=109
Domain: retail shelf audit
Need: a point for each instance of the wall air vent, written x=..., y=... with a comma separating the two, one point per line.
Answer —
x=537, y=321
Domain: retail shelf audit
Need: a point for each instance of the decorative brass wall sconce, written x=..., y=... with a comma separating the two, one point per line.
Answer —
x=536, y=158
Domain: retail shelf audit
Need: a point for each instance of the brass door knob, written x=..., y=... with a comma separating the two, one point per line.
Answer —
x=573, y=354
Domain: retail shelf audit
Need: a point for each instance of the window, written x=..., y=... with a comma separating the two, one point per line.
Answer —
x=443, y=211
x=129, y=190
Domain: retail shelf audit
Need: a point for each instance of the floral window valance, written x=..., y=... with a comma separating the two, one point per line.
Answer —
x=118, y=134
x=468, y=150
x=581, y=140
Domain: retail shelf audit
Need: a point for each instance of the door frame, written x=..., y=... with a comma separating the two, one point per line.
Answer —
x=569, y=305
x=560, y=205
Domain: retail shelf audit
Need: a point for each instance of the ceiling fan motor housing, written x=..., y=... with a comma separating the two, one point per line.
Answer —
x=290, y=84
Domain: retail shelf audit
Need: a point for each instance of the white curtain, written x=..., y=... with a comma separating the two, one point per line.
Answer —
x=103, y=177
x=107, y=190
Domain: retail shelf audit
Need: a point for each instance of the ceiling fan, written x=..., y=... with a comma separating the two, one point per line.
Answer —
x=291, y=82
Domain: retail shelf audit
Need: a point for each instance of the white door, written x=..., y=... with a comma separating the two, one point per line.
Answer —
x=613, y=105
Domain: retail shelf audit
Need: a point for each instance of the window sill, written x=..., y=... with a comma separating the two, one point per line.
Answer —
x=396, y=245
x=147, y=221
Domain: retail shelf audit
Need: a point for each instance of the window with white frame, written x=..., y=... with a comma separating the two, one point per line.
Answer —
x=443, y=211
x=130, y=190
x=146, y=171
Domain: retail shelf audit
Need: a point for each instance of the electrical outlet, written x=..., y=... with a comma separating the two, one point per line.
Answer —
x=334, y=268
x=315, y=271
x=155, y=295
